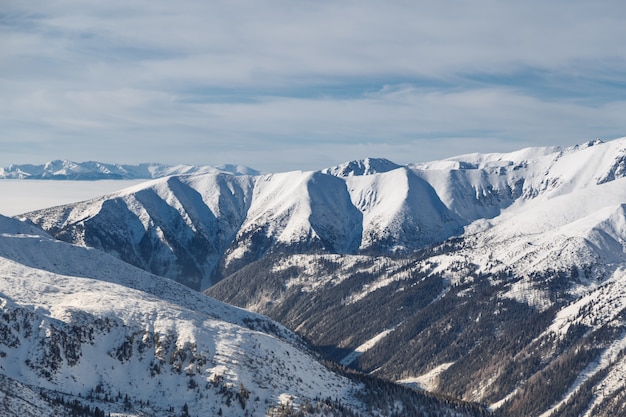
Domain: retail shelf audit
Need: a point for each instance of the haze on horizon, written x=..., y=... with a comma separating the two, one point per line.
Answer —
x=284, y=85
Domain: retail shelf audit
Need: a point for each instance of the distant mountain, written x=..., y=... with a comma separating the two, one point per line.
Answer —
x=82, y=333
x=68, y=170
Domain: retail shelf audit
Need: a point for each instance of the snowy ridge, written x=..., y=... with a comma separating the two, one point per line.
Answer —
x=145, y=339
x=177, y=227
x=482, y=185
x=400, y=211
x=559, y=207
x=199, y=228
x=583, y=228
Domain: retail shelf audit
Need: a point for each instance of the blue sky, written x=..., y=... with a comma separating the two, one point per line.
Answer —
x=280, y=85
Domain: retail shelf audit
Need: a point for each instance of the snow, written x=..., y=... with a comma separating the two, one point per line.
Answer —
x=369, y=288
x=23, y=244
x=309, y=278
x=429, y=381
x=400, y=207
x=585, y=226
x=497, y=181
x=600, y=306
x=498, y=404
x=613, y=382
x=364, y=347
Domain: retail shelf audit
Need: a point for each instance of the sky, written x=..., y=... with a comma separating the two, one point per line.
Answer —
x=280, y=85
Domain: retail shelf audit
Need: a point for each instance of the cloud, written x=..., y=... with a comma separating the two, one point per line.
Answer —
x=299, y=83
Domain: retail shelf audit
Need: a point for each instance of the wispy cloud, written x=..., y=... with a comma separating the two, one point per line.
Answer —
x=287, y=84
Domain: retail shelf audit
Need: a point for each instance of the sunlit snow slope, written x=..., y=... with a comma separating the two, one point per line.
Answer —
x=82, y=330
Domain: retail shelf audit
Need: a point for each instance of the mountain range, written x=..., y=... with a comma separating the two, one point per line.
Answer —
x=198, y=228
x=491, y=278
x=92, y=170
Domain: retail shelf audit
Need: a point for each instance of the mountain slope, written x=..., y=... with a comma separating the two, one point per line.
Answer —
x=177, y=227
x=81, y=330
x=523, y=344
x=400, y=212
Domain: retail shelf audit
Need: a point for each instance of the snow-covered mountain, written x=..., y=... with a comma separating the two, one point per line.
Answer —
x=539, y=208
x=524, y=311
x=82, y=333
x=198, y=228
x=495, y=278
x=92, y=170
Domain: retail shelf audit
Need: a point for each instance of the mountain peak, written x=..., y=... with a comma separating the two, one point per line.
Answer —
x=591, y=143
x=359, y=167
x=237, y=169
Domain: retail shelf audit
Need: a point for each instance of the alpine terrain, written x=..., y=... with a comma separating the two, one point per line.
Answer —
x=85, y=334
x=491, y=278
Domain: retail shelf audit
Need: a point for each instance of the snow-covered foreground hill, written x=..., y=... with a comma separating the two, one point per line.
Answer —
x=82, y=332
